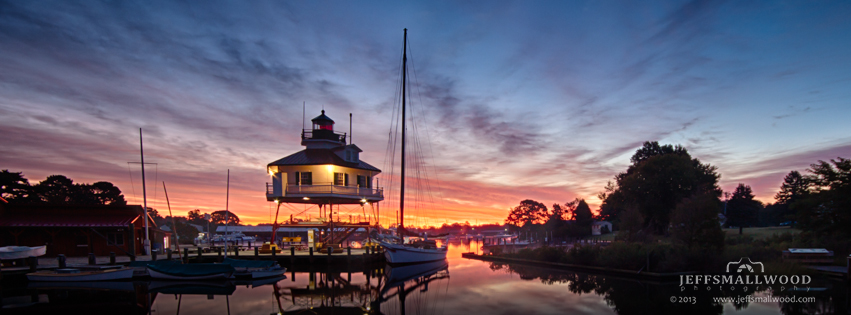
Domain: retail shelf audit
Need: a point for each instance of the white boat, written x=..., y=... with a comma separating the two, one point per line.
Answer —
x=18, y=252
x=409, y=252
x=255, y=269
x=191, y=271
x=75, y=274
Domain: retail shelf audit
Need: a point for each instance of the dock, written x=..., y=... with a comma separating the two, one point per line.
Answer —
x=294, y=260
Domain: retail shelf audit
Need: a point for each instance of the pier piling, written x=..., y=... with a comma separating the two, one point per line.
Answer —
x=61, y=259
x=153, y=255
x=112, y=258
x=92, y=259
x=32, y=261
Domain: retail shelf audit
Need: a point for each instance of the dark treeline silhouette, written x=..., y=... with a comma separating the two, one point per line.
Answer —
x=57, y=189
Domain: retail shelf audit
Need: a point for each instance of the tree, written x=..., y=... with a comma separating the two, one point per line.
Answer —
x=695, y=223
x=742, y=209
x=659, y=179
x=631, y=228
x=14, y=187
x=57, y=189
x=105, y=193
x=528, y=212
x=795, y=187
x=826, y=209
x=582, y=219
x=218, y=217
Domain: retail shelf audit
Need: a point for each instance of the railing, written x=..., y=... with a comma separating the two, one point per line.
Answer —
x=323, y=135
x=334, y=189
x=327, y=189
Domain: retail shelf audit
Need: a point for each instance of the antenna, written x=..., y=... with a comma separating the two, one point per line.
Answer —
x=350, y=128
x=303, y=116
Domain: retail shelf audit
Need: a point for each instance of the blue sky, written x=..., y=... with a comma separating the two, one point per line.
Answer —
x=541, y=100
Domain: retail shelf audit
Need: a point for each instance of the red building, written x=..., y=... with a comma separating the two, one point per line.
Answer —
x=75, y=230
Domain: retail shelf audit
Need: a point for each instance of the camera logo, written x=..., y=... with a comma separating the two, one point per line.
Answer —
x=742, y=266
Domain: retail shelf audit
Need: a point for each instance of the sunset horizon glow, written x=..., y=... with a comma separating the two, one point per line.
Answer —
x=544, y=101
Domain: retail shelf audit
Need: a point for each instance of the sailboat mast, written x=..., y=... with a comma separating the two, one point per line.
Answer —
x=147, y=244
x=402, y=190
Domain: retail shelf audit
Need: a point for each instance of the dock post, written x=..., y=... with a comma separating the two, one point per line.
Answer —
x=219, y=252
x=256, y=252
x=236, y=251
x=61, y=259
x=349, y=258
x=168, y=253
x=311, y=256
x=132, y=258
x=32, y=261
x=185, y=255
x=199, y=252
x=153, y=255
x=292, y=256
x=92, y=260
x=366, y=250
x=112, y=258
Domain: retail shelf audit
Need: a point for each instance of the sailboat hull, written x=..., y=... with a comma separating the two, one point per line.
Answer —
x=401, y=254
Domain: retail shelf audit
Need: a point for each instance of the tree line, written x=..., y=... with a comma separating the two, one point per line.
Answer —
x=570, y=220
x=15, y=188
x=57, y=189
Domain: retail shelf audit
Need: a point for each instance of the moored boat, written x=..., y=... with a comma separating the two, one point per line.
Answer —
x=255, y=269
x=411, y=253
x=417, y=251
x=140, y=268
x=75, y=274
x=191, y=271
x=18, y=252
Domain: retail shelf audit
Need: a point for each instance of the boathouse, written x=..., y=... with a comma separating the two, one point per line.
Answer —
x=601, y=227
x=77, y=230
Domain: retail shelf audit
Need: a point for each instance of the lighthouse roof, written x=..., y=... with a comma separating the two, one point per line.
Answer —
x=322, y=157
x=322, y=118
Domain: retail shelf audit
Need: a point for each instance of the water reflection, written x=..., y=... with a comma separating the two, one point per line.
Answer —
x=475, y=288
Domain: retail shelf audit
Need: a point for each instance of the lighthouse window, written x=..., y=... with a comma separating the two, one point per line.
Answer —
x=338, y=179
x=306, y=178
x=362, y=181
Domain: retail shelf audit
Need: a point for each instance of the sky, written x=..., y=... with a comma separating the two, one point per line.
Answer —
x=542, y=100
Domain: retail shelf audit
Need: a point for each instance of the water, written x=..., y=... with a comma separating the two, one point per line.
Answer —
x=465, y=287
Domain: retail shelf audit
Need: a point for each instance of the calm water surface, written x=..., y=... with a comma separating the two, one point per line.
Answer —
x=464, y=287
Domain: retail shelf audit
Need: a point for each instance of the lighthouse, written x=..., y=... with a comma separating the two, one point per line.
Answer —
x=328, y=171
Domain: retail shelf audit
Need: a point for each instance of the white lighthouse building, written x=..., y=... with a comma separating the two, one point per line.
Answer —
x=327, y=172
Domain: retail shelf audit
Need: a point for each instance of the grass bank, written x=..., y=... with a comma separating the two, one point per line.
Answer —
x=664, y=255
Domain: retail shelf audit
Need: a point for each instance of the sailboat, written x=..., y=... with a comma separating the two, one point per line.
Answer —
x=418, y=251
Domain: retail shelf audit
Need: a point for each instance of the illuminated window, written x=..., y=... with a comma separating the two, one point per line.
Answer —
x=339, y=179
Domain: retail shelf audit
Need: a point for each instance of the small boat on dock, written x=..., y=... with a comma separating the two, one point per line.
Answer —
x=255, y=269
x=19, y=252
x=191, y=271
x=81, y=274
x=140, y=268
